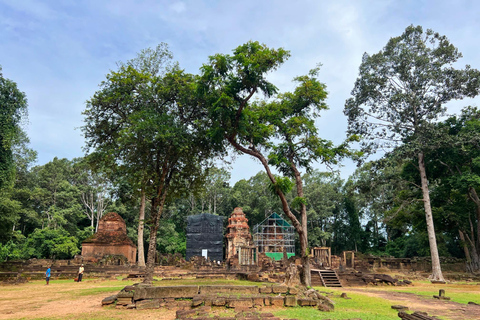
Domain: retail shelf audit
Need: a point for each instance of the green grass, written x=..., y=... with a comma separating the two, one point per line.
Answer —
x=455, y=294
x=359, y=306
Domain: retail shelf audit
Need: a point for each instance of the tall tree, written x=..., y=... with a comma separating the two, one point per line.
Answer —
x=13, y=108
x=456, y=169
x=400, y=92
x=142, y=124
x=280, y=133
x=93, y=188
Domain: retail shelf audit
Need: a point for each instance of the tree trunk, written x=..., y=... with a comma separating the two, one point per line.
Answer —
x=436, y=269
x=157, y=210
x=141, y=223
x=474, y=197
x=300, y=227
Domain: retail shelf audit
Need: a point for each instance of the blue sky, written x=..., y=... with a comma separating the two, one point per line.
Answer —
x=58, y=52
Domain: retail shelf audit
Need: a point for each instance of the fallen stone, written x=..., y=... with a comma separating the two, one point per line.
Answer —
x=399, y=307
x=325, y=307
x=306, y=302
x=197, y=301
x=109, y=300
x=131, y=306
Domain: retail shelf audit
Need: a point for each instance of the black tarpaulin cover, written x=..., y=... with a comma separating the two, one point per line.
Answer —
x=205, y=232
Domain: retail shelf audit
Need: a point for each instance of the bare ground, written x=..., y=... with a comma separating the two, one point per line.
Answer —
x=62, y=300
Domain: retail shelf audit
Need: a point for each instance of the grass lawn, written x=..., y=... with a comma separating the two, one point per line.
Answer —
x=66, y=299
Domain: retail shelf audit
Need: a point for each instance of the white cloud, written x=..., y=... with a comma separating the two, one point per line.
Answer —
x=58, y=52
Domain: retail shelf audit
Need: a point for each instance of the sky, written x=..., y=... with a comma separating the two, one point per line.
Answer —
x=58, y=52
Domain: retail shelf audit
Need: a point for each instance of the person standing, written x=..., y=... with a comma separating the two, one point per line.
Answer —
x=80, y=273
x=47, y=275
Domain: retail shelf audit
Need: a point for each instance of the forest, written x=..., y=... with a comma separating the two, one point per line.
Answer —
x=155, y=136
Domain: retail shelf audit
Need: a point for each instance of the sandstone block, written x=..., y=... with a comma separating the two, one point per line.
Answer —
x=280, y=289
x=147, y=304
x=277, y=301
x=218, y=302
x=258, y=301
x=290, y=301
x=124, y=301
x=228, y=289
x=292, y=290
x=165, y=292
x=306, y=302
x=266, y=290
x=239, y=303
x=109, y=300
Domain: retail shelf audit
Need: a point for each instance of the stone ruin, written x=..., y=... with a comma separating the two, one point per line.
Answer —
x=240, y=249
x=110, y=240
x=194, y=297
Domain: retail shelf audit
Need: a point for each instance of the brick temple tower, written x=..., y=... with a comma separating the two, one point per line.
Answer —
x=110, y=239
x=238, y=232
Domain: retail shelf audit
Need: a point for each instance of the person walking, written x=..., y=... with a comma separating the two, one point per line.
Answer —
x=47, y=275
x=80, y=273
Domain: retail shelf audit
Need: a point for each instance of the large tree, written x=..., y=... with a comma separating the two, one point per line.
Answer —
x=455, y=166
x=400, y=92
x=13, y=108
x=279, y=132
x=142, y=124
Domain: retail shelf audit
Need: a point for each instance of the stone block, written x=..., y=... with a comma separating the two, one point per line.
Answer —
x=147, y=304
x=228, y=289
x=184, y=304
x=290, y=301
x=198, y=301
x=292, y=290
x=267, y=301
x=306, y=302
x=239, y=303
x=277, y=301
x=325, y=307
x=266, y=290
x=280, y=289
x=218, y=302
x=182, y=314
x=123, y=294
x=253, y=277
x=258, y=301
x=124, y=301
x=109, y=300
x=165, y=292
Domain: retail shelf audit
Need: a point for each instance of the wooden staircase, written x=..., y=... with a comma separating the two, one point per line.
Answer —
x=328, y=278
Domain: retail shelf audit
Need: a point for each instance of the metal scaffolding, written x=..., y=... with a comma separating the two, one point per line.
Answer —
x=274, y=234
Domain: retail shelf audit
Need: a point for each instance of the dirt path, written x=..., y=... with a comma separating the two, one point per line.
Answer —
x=65, y=302
x=441, y=308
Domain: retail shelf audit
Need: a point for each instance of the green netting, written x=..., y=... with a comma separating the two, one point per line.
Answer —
x=278, y=255
x=278, y=220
